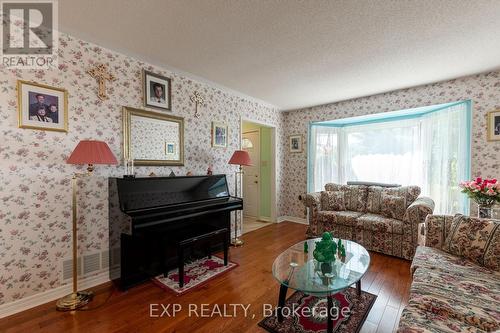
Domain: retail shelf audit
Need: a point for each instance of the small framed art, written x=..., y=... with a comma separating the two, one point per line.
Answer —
x=219, y=135
x=494, y=125
x=157, y=91
x=42, y=107
x=295, y=143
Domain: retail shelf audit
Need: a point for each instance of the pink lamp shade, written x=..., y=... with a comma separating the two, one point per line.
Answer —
x=240, y=157
x=92, y=152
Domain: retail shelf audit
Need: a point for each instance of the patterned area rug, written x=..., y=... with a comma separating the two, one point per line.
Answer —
x=309, y=313
x=196, y=274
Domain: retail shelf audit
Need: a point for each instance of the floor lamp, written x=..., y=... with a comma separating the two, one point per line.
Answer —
x=86, y=152
x=241, y=158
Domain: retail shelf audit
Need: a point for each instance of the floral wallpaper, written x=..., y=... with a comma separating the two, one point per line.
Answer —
x=35, y=191
x=482, y=89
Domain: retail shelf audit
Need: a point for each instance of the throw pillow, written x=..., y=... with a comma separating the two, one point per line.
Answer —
x=393, y=206
x=332, y=200
x=475, y=239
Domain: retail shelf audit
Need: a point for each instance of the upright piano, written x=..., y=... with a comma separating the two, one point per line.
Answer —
x=147, y=216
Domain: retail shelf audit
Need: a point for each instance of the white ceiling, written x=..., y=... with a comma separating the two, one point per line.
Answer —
x=294, y=54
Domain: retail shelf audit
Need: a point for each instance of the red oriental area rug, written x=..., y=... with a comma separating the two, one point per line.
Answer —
x=308, y=314
x=196, y=274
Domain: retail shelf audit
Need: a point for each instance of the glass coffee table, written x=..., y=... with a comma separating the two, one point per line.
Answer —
x=298, y=270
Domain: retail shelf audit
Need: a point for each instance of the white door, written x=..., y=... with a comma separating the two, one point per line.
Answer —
x=251, y=176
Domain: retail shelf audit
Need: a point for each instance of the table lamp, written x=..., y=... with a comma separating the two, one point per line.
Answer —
x=241, y=158
x=88, y=152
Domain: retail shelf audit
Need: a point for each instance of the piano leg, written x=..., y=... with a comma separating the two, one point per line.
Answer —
x=180, y=262
x=226, y=247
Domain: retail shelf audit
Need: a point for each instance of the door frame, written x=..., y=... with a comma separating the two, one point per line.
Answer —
x=273, y=160
x=259, y=217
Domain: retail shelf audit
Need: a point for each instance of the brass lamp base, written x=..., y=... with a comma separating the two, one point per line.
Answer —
x=74, y=301
x=237, y=242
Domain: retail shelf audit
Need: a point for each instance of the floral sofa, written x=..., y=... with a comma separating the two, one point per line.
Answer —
x=456, y=278
x=382, y=219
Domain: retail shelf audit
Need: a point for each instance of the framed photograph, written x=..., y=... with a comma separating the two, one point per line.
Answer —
x=42, y=107
x=219, y=135
x=169, y=148
x=295, y=143
x=156, y=91
x=494, y=126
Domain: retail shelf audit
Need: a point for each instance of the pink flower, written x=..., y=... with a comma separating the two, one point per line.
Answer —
x=490, y=192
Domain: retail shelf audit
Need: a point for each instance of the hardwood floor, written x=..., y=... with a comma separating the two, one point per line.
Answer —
x=250, y=283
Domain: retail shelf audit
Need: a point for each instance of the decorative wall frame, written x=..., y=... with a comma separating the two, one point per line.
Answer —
x=42, y=107
x=493, y=128
x=295, y=143
x=152, y=138
x=220, y=134
x=156, y=91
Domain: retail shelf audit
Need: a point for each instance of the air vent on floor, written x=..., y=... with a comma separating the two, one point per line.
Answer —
x=105, y=259
x=67, y=271
x=91, y=263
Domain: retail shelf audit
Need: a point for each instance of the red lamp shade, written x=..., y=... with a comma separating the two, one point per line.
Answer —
x=92, y=152
x=240, y=157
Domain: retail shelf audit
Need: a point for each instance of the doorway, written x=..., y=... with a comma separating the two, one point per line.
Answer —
x=258, y=180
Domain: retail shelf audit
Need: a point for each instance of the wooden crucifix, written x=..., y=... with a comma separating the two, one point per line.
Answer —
x=101, y=74
x=197, y=99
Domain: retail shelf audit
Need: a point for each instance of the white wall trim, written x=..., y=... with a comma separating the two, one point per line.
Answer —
x=294, y=219
x=50, y=295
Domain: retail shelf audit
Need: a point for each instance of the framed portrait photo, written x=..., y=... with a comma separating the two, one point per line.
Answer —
x=494, y=126
x=295, y=143
x=219, y=135
x=156, y=91
x=42, y=107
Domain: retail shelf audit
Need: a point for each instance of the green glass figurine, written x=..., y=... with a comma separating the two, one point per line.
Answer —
x=325, y=249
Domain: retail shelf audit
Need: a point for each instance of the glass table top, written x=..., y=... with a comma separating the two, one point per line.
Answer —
x=300, y=271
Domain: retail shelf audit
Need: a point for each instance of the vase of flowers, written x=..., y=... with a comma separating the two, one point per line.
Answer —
x=485, y=192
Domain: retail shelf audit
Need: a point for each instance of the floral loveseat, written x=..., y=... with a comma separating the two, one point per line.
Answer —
x=456, y=278
x=382, y=219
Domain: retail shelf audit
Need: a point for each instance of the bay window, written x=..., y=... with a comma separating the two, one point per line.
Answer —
x=428, y=147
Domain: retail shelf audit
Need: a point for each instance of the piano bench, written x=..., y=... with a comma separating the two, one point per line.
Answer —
x=203, y=237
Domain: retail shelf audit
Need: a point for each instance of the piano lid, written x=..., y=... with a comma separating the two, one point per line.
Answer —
x=151, y=192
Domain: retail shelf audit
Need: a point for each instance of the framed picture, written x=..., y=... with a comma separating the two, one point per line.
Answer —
x=494, y=126
x=169, y=148
x=219, y=135
x=156, y=91
x=295, y=142
x=42, y=107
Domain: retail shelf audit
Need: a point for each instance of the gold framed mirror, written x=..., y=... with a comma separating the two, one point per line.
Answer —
x=152, y=138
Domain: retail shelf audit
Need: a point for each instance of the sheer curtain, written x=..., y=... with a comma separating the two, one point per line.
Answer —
x=324, y=157
x=431, y=150
x=386, y=152
x=446, y=157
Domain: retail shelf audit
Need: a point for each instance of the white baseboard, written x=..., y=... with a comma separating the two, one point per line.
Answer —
x=295, y=219
x=264, y=219
x=50, y=295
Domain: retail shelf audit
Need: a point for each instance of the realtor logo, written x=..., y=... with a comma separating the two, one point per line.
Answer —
x=29, y=34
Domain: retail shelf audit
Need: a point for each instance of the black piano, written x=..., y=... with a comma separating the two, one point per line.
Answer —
x=147, y=216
